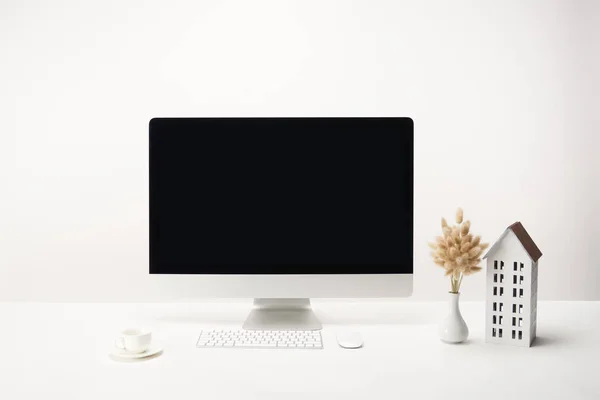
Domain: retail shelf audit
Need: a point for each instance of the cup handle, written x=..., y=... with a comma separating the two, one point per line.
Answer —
x=120, y=343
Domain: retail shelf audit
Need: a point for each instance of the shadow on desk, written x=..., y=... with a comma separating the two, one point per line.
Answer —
x=549, y=341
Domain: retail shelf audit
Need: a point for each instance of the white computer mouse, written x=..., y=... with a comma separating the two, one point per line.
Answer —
x=349, y=340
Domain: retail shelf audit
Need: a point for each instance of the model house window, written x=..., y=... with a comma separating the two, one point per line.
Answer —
x=514, y=321
x=514, y=309
x=514, y=334
x=495, y=306
x=501, y=278
x=520, y=308
x=500, y=332
x=521, y=267
x=501, y=265
x=514, y=292
x=495, y=278
x=521, y=279
x=520, y=322
x=494, y=319
x=515, y=266
x=495, y=264
x=495, y=291
x=500, y=320
x=494, y=332
x=520, y=292
x=520, y=335
x=501, y=291
x=500, y=306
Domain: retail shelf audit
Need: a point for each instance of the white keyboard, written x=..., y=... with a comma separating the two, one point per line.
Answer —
x=239, y=338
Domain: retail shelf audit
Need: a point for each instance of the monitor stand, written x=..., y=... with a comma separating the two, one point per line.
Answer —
x=282, y=314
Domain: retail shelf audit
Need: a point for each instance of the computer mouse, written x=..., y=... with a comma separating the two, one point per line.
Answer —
x=349, y=340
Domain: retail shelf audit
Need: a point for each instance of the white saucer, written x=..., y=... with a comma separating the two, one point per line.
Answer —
x=120, y=355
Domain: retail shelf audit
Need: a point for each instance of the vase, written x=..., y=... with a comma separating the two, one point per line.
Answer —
x=453, y=328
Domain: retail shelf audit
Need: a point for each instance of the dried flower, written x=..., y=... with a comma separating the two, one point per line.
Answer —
x=457, y=251
x=455, y=232
x=464, y=229
x=459, y=216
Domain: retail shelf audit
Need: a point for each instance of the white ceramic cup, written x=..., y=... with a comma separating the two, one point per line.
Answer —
x=134, y=340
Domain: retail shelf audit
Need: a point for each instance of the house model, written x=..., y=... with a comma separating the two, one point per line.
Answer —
x=512, y=281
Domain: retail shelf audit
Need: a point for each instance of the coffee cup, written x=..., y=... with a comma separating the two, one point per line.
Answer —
x=134, y=340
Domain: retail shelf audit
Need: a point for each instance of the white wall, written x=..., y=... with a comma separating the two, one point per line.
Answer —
x=504, y=96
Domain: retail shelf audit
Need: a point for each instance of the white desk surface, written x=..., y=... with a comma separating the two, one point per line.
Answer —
x=60, y=351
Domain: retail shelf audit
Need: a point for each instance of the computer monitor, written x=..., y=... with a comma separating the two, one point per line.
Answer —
x=284, y=209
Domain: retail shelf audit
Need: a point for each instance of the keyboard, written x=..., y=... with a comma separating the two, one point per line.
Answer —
x=240, y=338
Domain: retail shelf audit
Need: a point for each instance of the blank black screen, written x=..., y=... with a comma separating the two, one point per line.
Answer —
x=281, y=195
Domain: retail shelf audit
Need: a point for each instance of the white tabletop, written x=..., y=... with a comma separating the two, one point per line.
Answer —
x=60, y=351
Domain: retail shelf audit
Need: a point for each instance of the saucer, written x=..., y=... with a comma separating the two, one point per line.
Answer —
x=121, y=355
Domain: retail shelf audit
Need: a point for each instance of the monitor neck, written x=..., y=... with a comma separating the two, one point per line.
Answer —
x=282, y=314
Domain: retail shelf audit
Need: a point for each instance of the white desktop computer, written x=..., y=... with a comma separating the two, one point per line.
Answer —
x=284, y=210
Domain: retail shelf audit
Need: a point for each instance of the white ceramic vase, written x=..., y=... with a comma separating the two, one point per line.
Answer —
x=453, y=328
